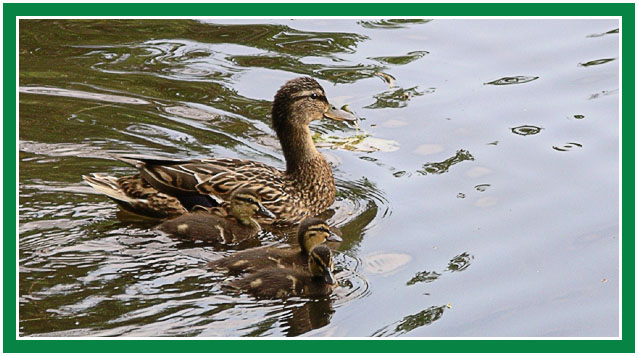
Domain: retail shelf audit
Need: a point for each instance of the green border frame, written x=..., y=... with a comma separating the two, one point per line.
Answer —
x=626, y=344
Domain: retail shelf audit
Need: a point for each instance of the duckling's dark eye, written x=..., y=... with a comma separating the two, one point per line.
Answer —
x=314, y=96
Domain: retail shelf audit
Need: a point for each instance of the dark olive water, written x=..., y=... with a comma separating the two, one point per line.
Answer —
x=479, y=196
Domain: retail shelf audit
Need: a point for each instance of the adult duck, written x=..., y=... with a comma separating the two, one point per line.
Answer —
x=166, y=188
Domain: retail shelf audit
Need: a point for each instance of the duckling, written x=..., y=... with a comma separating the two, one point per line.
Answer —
x=229, y=227
x=305, y=188
x=271, y=283
x=311, y=232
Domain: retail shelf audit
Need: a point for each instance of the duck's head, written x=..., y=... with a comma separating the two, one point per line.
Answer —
x=321, y=265
x=245, y=203
x=300, y=101
x=313, y=232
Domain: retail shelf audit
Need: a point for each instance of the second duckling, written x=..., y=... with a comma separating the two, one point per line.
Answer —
x=311, y=232
x=229, y=227
x=269, y=283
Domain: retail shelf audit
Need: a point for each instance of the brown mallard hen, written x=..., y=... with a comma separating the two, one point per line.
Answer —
x=311, y=232
x=305, y=188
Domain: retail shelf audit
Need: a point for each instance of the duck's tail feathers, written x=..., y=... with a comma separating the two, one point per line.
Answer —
x=109, y=186
x=132, y=194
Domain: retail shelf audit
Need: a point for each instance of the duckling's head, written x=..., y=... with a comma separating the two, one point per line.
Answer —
x=245, y=203
x=300, y=101
x=313, y=232
x=321, y=265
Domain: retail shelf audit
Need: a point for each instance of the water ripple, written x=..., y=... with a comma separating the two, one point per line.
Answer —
x=77, y=94
x=526, y=130
x=392, y=23
x=512, y=80
x=596, y=62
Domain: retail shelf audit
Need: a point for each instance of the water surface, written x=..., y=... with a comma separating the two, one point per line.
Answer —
x=479, y=197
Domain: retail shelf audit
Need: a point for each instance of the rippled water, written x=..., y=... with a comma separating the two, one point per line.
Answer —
x=479, y=196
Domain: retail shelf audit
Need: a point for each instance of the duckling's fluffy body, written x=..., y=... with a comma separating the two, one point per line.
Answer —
x=258, y=258
x=228, y=226
x=316, y=280
x=282, y=283
x=305, y=188
x=202, y=226
x=311, y=232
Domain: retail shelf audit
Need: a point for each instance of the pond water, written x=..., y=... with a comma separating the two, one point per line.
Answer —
x=479, y=195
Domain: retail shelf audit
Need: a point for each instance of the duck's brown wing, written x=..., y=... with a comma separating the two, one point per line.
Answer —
x=169, y=176
x=209, y=182
x=205, y=182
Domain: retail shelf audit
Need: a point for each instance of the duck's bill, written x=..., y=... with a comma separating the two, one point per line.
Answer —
x=339, y=115
x=329, y=278
x=334, y=237
x=265, y=212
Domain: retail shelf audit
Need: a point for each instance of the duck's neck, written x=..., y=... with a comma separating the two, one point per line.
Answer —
x=300, y=152
x=303, y=249
x=308, y=171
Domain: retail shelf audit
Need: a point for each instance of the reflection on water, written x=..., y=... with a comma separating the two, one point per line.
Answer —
x=596, y=62
x=424, y=276
x=568, y=146
x=526, y=130
x=397, y=98
x=411, y=322
x=392, y=23
x=422, y=88
x=610, y=32
x=397, y=60
x=460, y=262
x=445, y=165
x=520, y=79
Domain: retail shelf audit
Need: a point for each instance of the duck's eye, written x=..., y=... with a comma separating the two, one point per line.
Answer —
x=314, y=96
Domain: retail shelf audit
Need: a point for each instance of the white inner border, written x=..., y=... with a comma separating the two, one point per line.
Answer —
x=619, y=18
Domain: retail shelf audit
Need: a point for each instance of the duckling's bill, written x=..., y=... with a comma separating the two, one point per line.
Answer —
x=339, y=115
x=329, y=278
x=264, y=212
x=334, y=237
